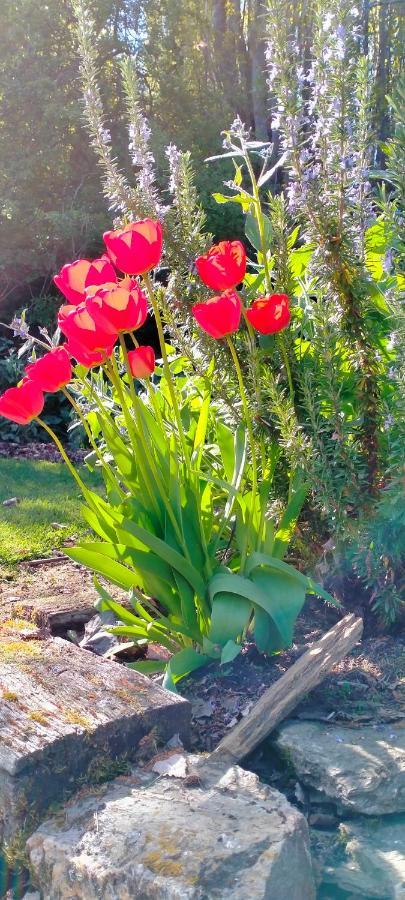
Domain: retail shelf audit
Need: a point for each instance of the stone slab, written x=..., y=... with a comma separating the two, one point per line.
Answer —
x=374, y=864
x=66, y=718
x=233, y=838
x=359, y=769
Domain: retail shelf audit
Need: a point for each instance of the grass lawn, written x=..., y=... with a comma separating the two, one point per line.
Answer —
x=47, y=493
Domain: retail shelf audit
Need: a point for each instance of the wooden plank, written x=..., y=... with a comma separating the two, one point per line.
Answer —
x=283, y=696
x=55, y=597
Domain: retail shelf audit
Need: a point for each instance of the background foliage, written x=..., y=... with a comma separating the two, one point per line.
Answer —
x=197, y=64
x=322, y=82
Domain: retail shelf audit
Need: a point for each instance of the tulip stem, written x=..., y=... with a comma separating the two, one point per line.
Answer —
x=252, y=442
x=259, y=217
x=151, y=392
x=148, y=450
x=63, y=454
x=166, y=367
x=141, y=458
x=287, y=366
x=106, y=466
x=253, y=344
x=176, y=410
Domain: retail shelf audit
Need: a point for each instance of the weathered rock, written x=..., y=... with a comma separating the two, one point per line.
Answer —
x=374, y=864
x=359, y=769
x=67, y=718
x=96, y=638
x=163, y=838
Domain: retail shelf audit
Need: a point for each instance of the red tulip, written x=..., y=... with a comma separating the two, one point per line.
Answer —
x=23, y=403
x=219, y=315
x=142, y=362
x=137, y=248
x=78, y=325
x=270, y=314
x=123, y=307
x=74, y=278
x=224, y=266
x=87, y=358
x=51, y=372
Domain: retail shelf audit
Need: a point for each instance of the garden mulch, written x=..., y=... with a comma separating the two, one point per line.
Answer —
x=39, y=451
x=367, y=687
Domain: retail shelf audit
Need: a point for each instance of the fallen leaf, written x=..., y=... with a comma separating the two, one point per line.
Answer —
x=156, y=651
x=202, y=709
x=232, y=723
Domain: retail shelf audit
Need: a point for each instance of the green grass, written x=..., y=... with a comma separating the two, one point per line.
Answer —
x=47, y=493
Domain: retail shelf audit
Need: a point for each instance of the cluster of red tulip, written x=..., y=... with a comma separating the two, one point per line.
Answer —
x=101, y=307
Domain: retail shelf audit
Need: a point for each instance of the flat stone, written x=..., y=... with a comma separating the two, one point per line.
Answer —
x=374, y=864
x=149, y=837
x=68, y=717
x=360, y=769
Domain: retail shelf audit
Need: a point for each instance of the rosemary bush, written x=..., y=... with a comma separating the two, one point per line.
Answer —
x=331, y=390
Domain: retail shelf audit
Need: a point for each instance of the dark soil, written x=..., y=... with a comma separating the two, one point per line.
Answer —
x=36, y=450
x=368, y=686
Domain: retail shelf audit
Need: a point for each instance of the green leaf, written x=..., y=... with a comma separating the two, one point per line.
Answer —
x=238, y=175
x=181, y=664
x=226, y=444
x=230, y=652
x=253, y=234
x=229, y=155
x=110, y=569
x=144, y=632
x=267, y=637
x=144, y=561
x=288, y=521
x=188, y=608
x=148, y=666
x=124, y=615
x=130, y=530
x=267, y=175
x=293, y=237
x=253, y=283
x=299, y=259
x=201, y=431
x=275, y=595
x=256, y=560
x=243, y=200
x=230, y=616
x=285, y=598
x=156, y=434
x=123, y=457
x=100, y=525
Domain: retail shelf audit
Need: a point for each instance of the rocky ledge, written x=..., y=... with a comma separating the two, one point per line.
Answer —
x=151, y=836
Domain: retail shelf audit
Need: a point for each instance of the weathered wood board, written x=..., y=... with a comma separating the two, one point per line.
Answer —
x=283, y=696
x=57, y=598
x=67, y=718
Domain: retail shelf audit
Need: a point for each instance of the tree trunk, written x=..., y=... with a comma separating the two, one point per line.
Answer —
x=232, y=63
x=365, y=26
x=259, y=93
x=382, y=78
